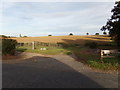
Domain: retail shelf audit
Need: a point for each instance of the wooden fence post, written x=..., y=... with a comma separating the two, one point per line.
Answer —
x=101, y=56
x=20, y=44
x=33, y=45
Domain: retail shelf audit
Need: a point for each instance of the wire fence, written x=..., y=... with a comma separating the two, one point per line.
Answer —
x=36, y=44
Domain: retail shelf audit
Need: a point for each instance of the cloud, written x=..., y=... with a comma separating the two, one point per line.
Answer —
x=50, y=17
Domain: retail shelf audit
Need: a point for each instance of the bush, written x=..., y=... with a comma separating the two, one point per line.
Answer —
x=3, y=36
x=104, y=33
x=50, y=35
x=24, y=36
x=96, y=33
x=87, y=33
x=8, y=46
x=91, y=44
x=71, y=34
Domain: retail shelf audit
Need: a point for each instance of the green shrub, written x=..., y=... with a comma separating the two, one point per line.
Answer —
x=91, y=44
x=8, y=46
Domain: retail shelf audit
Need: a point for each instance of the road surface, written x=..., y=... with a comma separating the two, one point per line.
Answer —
x=57, y=71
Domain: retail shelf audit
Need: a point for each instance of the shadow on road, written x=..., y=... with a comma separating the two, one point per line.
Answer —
x=43, y=72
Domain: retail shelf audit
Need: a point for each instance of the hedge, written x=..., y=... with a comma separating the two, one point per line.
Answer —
x=8, y=46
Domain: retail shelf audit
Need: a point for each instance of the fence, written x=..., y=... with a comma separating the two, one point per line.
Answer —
x=36, y=44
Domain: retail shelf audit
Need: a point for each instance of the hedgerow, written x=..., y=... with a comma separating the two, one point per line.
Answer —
x=8, y=46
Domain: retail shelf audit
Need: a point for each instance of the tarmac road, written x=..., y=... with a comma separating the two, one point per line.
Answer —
x=58, y=71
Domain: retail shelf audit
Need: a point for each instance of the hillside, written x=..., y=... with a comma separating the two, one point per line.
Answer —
x=65, y=39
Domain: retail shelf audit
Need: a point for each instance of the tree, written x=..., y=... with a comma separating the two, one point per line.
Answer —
x=71, y=34
x=113, y=24
x=87, y=33
x=50, y=35
x=104, y=33
x=96, y=33
x=24, y=36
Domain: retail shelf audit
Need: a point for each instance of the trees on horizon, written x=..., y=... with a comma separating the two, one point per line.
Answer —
x=96, y=33
x=49, y=35
x=71, y=34
x=87, y=33
x=104, y=33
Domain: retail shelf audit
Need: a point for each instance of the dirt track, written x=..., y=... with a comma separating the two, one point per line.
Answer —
x=58, y=71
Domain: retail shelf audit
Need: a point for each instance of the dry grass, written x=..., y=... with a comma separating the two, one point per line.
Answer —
x=65, y=39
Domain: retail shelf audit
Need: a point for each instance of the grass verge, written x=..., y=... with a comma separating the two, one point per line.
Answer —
x=108, y=64
x=48, y=51
x=93, y=60
x=84, y=54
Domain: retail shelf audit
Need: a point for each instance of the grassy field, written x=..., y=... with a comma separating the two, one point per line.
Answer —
x=48, y=51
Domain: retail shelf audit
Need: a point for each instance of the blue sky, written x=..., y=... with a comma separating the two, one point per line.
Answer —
x=60, y=18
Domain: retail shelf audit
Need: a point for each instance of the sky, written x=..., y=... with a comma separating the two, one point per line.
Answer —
x=56, y=18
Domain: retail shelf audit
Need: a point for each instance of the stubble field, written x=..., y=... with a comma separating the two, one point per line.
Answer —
x=66, y=39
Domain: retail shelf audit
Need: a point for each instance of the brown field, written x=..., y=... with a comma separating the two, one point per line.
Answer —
x=65, y=39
